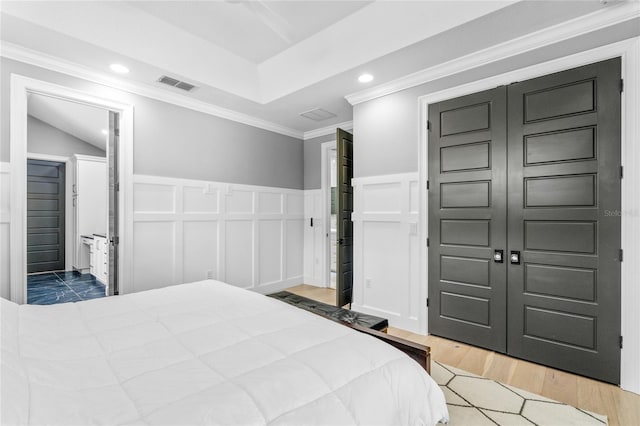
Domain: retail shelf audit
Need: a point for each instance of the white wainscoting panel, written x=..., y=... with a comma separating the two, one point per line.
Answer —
x=5, y=216
x=314, y=239
x=270, y=251
x=386, y=250
x=154, y=198
x=239, y=253
x=155, y=260
x=202, y=252
x=294, y=258
x=188, y=230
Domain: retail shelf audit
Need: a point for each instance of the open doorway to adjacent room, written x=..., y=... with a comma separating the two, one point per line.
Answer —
x=329, y=182
x=67, y=200
x=331, y=214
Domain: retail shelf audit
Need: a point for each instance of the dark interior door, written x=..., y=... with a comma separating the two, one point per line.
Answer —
x=467, y=219
x=344, y=260
x=114, y=188
x=560, y=166
x=45, y=216
x=564, y=209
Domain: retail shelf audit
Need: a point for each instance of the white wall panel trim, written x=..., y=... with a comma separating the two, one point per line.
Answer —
x=242, y=234
x=386, y=267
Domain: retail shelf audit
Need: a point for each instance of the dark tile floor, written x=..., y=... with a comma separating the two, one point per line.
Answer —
x=62, y=287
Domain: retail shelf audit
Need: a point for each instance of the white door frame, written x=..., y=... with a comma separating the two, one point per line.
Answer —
x=629, y=51
x=68, y=202
x=21, y=86
x=325, y=185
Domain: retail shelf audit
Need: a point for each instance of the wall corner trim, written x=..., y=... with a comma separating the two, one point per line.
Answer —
x=603, y=18
x=39, y=59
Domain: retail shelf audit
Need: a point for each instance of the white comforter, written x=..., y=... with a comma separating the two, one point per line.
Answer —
x=202, y=353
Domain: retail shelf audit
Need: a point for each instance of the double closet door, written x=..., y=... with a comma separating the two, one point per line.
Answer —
x=524, y=220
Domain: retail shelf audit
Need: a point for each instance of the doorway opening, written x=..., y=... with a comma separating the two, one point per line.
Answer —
x=67, y=200
x=337, y=172
x=333, y=183
x=119, y=177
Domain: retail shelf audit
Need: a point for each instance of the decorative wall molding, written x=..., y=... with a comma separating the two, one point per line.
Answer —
x=386, y=250
x=629, y=51
x=190, y=230
x=606, y=17
x=39, y=59
x=328, y=130
x=314, y=238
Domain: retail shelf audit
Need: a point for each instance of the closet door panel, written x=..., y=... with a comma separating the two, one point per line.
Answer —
x=467, y=219
x=564, y=176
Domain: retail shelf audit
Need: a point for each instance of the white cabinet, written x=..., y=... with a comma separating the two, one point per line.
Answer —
x=89, y=193
x=100, y=259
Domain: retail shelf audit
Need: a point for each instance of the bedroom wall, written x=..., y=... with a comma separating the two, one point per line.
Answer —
x=43, y=138
x=173, y=141
x=386, y=154
x=179, y=143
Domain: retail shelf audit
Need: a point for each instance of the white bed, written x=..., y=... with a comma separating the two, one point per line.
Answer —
x=202, y=353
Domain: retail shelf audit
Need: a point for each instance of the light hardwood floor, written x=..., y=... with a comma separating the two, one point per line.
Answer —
x=621, y=407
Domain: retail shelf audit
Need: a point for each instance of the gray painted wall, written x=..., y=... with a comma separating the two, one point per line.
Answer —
x=177, y=142
x=388, y=127
x=313, y=161
x=43, y=138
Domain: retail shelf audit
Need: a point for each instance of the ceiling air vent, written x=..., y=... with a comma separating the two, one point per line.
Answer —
x=170, y=81
x=317, y=114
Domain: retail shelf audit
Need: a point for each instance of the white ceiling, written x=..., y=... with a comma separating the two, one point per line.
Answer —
x=255, y=30
x=82, y=121
x=273, y=59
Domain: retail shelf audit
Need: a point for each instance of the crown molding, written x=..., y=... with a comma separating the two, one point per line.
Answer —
x=603, y=18
x=42, y=60
x=345, y=125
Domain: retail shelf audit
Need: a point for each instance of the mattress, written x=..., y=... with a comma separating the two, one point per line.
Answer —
x=202, y=353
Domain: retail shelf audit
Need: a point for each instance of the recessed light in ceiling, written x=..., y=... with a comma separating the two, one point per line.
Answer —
x=365, y=78
x=119, y=68
x=104, y=132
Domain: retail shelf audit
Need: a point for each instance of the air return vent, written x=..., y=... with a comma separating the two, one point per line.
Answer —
x=317, y=114
x=170, y=81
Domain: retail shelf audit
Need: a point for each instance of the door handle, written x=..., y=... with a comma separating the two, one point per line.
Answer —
x=340, y=241
x=498, y=256
x=514, y=257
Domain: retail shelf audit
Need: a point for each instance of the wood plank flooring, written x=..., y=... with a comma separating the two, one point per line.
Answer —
x=621, y=407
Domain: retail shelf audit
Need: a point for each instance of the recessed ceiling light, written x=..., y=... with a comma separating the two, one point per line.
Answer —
x=365, y=78
x=119, y=68
x=104, y=132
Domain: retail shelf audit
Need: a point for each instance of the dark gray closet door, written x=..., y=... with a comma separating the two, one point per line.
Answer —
x=467, y=219
x=344, y=261
x=564, y=218
x=45, y=216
